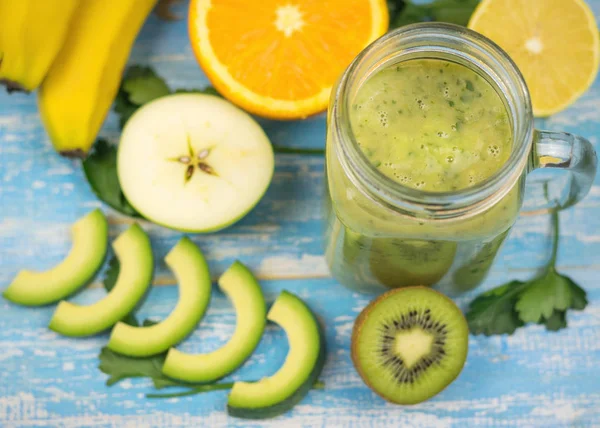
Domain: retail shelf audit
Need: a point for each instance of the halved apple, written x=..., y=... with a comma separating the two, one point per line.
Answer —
x=194, y=162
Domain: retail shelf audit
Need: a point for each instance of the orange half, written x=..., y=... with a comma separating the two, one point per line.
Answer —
x=280, y=58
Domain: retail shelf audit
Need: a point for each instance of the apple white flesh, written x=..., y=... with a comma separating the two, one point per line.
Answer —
x=194, y=162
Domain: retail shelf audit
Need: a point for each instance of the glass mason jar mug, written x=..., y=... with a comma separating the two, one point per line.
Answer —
x=381, y=234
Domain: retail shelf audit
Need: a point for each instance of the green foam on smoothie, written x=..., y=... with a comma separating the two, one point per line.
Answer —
x=432, y=125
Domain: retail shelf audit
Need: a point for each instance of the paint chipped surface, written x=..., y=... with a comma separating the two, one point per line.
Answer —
x=532, y=378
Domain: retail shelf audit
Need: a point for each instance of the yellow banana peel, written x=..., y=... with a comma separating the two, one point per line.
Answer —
x=31, y=34
x=83, y=81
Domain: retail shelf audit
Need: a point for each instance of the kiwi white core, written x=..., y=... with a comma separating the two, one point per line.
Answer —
x=412, y=345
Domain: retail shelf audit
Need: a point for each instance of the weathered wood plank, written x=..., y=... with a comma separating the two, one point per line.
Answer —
x=531, y=378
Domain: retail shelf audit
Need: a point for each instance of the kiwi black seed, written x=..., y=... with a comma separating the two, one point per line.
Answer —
x=409, y=344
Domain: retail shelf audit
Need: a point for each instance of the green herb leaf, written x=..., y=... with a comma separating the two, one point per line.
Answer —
x=112, y=274
x=124, y=108
x=578, y=295
x=208, y=90
x=139, y=86
x=404, y=12
x=411, y=13
x=543, y=296
x=319, y=385
x=142, y=85
x=212, y=387
x=193, y=391
x=543, y=300
x=119, y=367
x=110, y=279
x=100, y=169
x=297, y=151
x=494, y=312
x=556, y=321
x=453, y=11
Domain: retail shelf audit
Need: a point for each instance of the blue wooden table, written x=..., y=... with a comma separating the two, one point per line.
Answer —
x=533, y=378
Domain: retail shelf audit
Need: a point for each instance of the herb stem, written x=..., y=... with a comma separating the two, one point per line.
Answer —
x=555, y=238
x=193, y=391
x=297, y=151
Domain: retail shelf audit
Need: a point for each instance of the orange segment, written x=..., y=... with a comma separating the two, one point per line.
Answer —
x=555, y=44
x=280, y=58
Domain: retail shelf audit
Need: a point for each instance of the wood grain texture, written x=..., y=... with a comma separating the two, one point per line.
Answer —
x=532, y=378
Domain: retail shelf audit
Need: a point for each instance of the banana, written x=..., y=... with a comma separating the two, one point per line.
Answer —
x=82, y=83
x=31, y=34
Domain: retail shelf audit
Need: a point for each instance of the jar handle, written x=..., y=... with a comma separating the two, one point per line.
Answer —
x=564, y=151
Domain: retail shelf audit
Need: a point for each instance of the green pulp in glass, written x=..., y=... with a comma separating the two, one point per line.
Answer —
x=435, y=126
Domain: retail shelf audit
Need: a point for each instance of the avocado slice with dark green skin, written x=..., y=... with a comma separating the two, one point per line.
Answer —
x=90, y=240
x=245, y=293
x=190, y=268
x=275, y=395
x=134, y=252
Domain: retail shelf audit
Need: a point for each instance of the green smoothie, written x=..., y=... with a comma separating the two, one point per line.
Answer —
x=435, y=126
x=432, y=125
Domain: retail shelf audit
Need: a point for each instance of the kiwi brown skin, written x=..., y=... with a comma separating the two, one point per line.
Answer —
x=358, y=327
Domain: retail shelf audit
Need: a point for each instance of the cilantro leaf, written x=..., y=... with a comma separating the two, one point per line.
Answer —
x=110, y=279
x=100, y=169
x=493, y=312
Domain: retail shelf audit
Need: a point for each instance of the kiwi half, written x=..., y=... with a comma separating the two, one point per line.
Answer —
x=409, y=344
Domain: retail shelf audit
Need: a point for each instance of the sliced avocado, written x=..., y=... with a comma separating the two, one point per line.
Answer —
x=277, y=394
x=243, y=289
x=190, y=268
x=134, y=252
x=90, y=239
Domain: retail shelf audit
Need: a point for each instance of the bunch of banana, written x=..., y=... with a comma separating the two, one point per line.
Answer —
x=31, y=34
x=82, y=82
x=77, y=50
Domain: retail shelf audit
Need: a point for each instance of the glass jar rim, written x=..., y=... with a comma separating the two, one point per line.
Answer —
x=477, y=50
